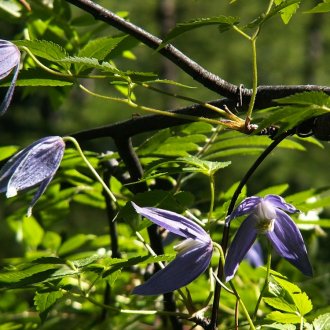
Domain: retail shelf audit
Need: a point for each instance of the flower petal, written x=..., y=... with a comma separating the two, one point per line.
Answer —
x=288, y=242
x=241, y=244
x=246, y=207
x=174, y=222
x=255, y=256
x=178, y=273
x=280, y=203
x=9, y=59
x=35, y=164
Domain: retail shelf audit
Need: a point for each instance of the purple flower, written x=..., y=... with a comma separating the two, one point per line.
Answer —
x=254, y=256
x=34, y=165
x=194, y=253
x=266, y=216
x=9, y=60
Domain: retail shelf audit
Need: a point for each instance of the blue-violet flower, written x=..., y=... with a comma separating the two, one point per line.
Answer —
x=34, y=165
x=266, y=216
x=194, y=253
x=9, y=60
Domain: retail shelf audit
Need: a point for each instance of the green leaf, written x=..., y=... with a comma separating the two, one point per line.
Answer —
x=82, y=262
x=322, y=322
x=280, y=304
x=74, y=243
x=203, y=166
x=45, y=300
x=27, y=276
x=32, y=232
x=223, y=22
x=287, y=12
x=302, y=302
x=279, y=326
x=283, y=317
x=44, y=49
x=323, y=7
x=98, y=48
x=7, y=151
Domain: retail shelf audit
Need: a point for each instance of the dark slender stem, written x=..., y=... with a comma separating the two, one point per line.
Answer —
x=225, y=234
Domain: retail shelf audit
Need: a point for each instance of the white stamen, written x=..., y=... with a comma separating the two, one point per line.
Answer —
x=265, y=214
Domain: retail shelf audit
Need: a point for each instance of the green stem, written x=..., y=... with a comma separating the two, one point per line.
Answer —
x=212, y=194
x=234, y=291
x=90, y=166
x=265, y=286
x=161, y=112
x=245, y=311
x=254, y=79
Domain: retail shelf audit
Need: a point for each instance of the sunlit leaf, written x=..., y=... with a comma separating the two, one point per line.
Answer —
x=223, y=22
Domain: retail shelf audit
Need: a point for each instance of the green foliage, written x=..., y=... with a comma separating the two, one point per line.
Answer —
x=75, y=262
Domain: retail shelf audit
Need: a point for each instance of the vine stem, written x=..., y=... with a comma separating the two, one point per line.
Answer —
x=229, y=124
x=226, y=229
x=90, y=166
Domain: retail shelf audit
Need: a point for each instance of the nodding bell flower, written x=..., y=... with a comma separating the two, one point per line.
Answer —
x=33, y=166
x=267, y=216
x=194, y=253
x=9, y=60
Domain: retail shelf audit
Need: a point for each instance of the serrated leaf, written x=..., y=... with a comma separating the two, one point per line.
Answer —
x=27, y=276
x=280, y=304
x=82, y=262
x=322, y=322
x=283, y=317
x=224, y=23
x=98, y=48
x=320, y=99
x=203, y=166
x=45, y=49
x=302, y=302
x=45, y=300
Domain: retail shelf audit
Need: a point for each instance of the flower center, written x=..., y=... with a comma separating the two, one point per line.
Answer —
x=265, y=214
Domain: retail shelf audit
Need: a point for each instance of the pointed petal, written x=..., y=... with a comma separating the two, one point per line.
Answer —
x=178, y=273
x=289, y=244
x=9, y=59
x=246, y=207
x=43, y=186
x=255, y=255
x=241, y=244
x=36, y=164
x=280, y=203
x=6, y=101
x=174, y=222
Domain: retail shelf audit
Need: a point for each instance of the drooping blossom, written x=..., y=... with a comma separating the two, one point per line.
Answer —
x=267, y=216
x=9, y=60
x=193, y=257
x=33, y=166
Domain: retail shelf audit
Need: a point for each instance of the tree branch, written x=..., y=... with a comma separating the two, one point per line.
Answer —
x=197, y=72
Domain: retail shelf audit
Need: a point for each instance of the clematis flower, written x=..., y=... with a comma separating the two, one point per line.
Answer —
x=267, y=216
x=9, y=60
x=194, y=253
x=254, y=256
x=33, y=166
